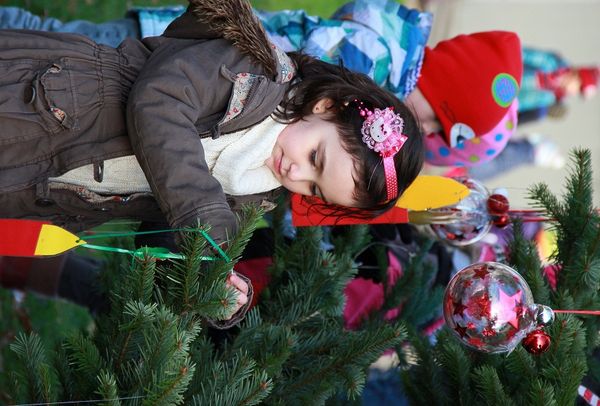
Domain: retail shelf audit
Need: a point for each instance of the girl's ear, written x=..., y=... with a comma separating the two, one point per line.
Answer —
x=322, y=105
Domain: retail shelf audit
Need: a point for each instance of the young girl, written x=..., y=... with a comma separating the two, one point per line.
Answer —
x=215, y=115
x=386, y=41
x=63, y=108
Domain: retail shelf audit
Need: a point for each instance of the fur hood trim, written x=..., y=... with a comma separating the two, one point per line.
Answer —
x=236, y=22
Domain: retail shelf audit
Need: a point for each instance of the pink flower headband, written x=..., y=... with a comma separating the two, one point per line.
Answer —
x=382, y=132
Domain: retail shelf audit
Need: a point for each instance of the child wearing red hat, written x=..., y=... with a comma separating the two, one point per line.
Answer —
x=466, y=97
x=569, y=81
x=549, y=80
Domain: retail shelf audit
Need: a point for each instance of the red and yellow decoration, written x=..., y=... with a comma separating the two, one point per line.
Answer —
x=33, y=238
x=27, y=238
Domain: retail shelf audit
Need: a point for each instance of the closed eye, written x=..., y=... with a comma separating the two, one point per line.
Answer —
x=313, y=161
x=313, y=158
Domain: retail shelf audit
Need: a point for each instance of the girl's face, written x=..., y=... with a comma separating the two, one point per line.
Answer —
x=308, y=158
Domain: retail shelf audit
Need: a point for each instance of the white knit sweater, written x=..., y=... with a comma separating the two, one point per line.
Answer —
x=236, y=160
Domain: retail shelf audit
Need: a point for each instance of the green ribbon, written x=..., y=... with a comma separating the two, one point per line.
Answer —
x=156, y=252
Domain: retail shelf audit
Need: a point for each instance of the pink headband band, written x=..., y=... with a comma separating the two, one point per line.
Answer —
x=382, y=132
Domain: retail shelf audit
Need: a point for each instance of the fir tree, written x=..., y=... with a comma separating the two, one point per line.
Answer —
x=450, y=374
x=154, y=348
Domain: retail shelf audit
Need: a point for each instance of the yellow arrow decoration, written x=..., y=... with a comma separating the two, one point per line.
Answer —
x=54, y=240
x=431, y=192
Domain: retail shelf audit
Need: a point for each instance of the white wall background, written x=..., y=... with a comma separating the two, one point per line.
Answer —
x=571, y=27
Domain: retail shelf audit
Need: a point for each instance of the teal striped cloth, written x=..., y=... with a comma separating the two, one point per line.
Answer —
x=380, y=38
x=532, y=96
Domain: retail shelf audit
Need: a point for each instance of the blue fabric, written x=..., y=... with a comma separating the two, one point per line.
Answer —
x=111, y=33
x=531, y=96
x=517, y=153
x=542, y=60
x=154, y=20
x=384, y=388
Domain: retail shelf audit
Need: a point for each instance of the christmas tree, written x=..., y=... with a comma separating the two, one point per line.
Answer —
x=154, y=346
x=449, y=373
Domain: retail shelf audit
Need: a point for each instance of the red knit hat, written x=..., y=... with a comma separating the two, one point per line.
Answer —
x=470, y=81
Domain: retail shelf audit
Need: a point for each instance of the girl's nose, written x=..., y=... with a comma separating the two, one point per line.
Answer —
x=298, y=173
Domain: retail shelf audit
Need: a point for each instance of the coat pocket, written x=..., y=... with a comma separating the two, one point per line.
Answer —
x=36, y=99
x=56, y=98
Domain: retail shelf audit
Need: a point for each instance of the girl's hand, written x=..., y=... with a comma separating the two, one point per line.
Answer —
x=241, y=288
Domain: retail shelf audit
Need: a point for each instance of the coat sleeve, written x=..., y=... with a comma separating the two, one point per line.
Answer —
x=166, y=101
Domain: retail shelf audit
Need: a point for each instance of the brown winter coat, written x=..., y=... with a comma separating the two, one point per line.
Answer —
x=66, y=101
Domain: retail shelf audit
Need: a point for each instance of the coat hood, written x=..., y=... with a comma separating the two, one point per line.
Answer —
x=233, y=20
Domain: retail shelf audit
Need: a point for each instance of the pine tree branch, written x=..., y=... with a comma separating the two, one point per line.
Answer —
x=232, y=382
x=136, y=315
x=541, y=394
x=360, y=347
x=64, y=373
x=142, y=278
x=524, y=258
x=426, y=370
x=185, y=274
x=258, y=394
x=520, y=365
x=107, y=389
x=35, y=371
x=270, y=345
x=457, y=366
x=84, y=358
x=489, y=386
x=170, y=391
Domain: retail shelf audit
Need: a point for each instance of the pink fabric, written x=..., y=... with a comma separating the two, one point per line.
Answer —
x=551, y=273
x=474, y=151
x=487, y=253
x=434, y=326
x=456, y=172
x=391, y=181
x=364, y=296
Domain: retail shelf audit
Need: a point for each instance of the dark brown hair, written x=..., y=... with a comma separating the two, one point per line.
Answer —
x=318, y=80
